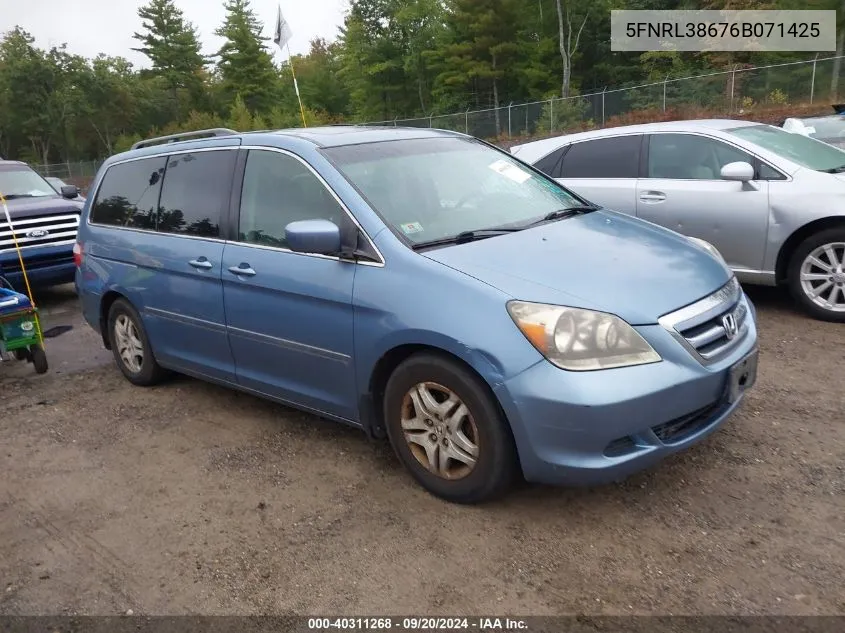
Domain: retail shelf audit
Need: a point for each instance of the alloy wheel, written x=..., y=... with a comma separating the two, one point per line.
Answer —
x=823, y=276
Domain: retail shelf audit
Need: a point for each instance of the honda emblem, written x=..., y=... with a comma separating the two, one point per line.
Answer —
x=729, y=323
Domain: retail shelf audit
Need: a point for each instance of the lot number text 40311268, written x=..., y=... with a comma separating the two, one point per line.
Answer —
x=421, y=623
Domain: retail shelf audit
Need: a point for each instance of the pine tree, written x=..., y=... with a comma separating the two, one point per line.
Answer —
x=480, y=58
x=172, y=45
x=245, y=65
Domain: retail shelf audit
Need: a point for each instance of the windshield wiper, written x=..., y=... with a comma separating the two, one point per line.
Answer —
x=467, y=236
x=835, y=170
x=562, y=214
x=14, y=196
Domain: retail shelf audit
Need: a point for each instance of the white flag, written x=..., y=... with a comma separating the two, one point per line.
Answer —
x=283, y=32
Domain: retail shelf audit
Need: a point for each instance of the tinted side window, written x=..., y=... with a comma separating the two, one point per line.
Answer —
x=550, y=165
x=617, y=157
x=277, y=190
x=195, y=193
x=690, y=157
x=128, y=195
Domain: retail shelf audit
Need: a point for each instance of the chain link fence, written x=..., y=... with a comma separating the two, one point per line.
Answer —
x=72, y=172
x=739, y=90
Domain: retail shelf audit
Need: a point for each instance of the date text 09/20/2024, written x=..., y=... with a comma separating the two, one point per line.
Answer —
x=417, y=624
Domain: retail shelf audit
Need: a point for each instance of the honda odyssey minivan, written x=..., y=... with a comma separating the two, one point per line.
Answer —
x=419, y=285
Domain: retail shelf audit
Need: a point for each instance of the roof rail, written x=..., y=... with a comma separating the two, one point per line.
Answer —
x=181, y=136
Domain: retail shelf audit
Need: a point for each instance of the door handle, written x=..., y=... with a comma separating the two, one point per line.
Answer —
x=243, y=269
x=202, y=263
x=653, y=196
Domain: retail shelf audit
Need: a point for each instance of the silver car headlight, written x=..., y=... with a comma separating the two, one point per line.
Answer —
x=581, y=340
x=709, y=248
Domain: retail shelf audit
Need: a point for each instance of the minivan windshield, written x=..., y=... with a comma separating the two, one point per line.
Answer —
x=433, y=189
x=18, y=181
x=798, y=148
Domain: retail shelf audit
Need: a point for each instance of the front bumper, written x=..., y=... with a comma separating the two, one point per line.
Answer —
x=587, y=428
x=47, y=266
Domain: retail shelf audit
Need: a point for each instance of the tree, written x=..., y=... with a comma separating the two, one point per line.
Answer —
x=29, y=79
x=481, y=54
x=567, y=45
x=173, y=47
x=246, y=68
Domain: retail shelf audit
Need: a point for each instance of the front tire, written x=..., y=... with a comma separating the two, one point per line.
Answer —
x=131, y=347
x=448, y=431
x=39, y=359
x=816, y=275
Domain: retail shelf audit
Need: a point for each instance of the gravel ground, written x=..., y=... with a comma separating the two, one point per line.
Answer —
x=189, y=498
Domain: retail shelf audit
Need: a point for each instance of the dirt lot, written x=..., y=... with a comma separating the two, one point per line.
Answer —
x=189, y=498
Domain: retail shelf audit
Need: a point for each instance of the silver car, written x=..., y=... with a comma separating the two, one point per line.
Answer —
x=771, y=202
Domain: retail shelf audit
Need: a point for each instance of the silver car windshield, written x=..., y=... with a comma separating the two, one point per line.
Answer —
x=436, y=188
x=800, y=149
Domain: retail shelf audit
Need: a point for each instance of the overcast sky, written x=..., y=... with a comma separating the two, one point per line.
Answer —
x=90, y=27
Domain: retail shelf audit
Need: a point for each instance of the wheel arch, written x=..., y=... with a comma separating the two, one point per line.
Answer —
x=797, y=237
x=105, y=305
x=373, y=411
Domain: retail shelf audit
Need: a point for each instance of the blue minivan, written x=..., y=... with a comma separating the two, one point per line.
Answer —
x=420, y=285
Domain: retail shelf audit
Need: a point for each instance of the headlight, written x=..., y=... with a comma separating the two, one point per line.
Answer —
x=581, y=340
x=709, y=248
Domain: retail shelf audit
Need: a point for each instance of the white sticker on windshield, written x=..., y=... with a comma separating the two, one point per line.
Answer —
x=509, y=170
x=411, y=227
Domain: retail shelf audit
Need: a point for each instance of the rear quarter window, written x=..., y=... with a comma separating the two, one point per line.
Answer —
x=128, y=195
x=196, y=192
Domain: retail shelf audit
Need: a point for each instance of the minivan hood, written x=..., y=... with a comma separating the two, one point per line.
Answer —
x=47, y=205
x=602, y=261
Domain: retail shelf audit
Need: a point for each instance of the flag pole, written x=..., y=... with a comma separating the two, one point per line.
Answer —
x=296, y=86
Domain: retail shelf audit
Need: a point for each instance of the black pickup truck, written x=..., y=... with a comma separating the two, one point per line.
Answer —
x=45, y=223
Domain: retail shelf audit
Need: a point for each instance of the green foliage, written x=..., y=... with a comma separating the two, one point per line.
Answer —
x=245, y=65
x=562, y=115
x=392, y=59
x=171, y=44
x=240, y=118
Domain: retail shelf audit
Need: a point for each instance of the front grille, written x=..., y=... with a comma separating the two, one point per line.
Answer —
x=713, y=326
x=713, y=337
x=686, y=426
x=46, y=230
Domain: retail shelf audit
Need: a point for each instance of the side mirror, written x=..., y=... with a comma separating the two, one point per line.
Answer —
x=313, y=236
x=739, y=171
x=70, y=191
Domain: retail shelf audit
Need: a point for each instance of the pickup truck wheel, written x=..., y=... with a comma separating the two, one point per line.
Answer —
x=130, y=346
x=448, y=431
x=817, y=275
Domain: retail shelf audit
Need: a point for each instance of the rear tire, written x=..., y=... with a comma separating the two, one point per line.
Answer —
x=816, y=275
x=131, y=347
x=460, y=447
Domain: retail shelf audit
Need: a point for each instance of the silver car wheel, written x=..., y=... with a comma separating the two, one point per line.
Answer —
x=823, y=276
x=440, y=430
x=129, y=345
